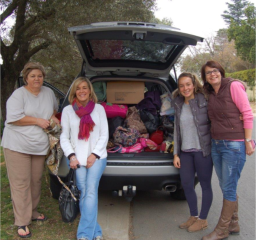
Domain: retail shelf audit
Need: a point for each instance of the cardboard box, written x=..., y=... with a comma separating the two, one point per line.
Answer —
x=125, y=92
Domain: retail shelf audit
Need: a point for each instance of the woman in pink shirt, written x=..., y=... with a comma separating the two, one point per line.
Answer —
x=231, y=140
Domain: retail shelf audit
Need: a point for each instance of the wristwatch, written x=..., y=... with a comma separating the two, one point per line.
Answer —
x=248, y=140
x=73, y=158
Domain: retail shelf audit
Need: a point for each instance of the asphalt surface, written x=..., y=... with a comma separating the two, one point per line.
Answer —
x=154, y=215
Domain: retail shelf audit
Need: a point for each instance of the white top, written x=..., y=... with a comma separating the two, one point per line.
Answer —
x=28, y=139
x=97, y=141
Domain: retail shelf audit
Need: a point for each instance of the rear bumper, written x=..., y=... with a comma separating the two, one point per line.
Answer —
x=143, y=177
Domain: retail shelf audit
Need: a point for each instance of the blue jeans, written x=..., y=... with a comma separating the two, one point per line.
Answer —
x=228, y=158
x=88, y=183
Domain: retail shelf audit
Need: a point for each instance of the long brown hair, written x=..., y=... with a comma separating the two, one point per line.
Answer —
x=197, y=84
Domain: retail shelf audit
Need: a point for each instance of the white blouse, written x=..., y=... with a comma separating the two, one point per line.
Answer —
x=97, y=141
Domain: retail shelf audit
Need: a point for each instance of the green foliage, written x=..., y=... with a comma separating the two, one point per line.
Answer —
x=40, y=34
x=247, y=76
x=242, y=23
x=235, y=11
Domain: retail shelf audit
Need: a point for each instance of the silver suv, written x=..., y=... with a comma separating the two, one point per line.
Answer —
x=133, y=52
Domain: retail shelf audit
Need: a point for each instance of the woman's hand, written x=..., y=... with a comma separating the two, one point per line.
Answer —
x=248, y=148
x=176, y=161
x=74, y=162
x=56, y=120
x=90, y=160
x=43, y=123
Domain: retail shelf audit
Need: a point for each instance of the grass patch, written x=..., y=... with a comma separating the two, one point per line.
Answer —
x=54, y=228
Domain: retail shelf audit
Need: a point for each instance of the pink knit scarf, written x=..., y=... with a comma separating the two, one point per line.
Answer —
x=86, y=122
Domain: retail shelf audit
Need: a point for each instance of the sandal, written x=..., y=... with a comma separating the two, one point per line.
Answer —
x=40, y=219
x=24, y=228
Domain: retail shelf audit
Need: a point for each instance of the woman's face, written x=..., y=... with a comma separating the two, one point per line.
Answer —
x=83, y=93
x=35, y=79
x=213, y=76
x=186, y=88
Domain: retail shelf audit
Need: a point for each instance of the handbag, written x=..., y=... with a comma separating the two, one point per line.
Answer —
x=136, y=148
x=113, y=123
x=157, y=136
x=133, y=120
x=115, y=110
x=150, y=121
x=126, y=136
x=69, y=198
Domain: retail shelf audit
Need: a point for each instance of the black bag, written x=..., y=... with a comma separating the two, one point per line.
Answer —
x=151, y=122
x=113, y=123
x=69, y=198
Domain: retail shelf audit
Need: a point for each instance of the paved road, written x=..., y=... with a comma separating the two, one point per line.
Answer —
x=155, y=215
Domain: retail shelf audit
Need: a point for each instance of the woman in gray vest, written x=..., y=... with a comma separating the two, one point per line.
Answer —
x=192, y=147
x=231, y=140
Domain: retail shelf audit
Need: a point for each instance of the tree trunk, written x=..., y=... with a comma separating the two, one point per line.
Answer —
x=10, y=75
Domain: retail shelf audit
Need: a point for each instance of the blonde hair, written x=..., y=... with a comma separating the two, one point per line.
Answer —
x=72, y=94
x=30, y=66
x=197, y=84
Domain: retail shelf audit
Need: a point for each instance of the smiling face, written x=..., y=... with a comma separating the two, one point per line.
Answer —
x=213, y=76
x=83, y=93
x=35, y=79
x=186, y=88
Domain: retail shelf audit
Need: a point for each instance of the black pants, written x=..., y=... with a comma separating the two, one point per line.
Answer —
x=191, y=163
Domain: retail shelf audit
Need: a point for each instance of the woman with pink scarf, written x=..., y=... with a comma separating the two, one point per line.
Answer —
x=84, y=139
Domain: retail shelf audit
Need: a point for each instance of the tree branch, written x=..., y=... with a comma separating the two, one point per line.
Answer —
x=36, y=49
x=9, y=10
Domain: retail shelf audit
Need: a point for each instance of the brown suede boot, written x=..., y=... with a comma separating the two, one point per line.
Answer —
x=234, y=227
x=188, y=223
x=198, y=225
x=221, y=230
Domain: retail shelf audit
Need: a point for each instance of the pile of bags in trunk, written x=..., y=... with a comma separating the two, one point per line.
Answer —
x=147, y=126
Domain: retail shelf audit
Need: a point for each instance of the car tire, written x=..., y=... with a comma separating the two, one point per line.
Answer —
x=55, y=186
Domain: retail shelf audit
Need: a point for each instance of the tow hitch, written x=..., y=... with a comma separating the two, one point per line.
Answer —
x=128, y=192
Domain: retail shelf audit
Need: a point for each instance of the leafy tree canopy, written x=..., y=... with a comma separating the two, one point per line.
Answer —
x=42, y=25
x=235, y=11
x=244, y=34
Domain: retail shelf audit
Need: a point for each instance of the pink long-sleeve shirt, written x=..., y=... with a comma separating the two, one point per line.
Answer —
x=240, y=99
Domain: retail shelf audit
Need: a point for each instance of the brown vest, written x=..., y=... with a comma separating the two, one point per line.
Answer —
x=224, y=115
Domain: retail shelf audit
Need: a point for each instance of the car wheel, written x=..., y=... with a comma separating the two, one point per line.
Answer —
x=55, y=186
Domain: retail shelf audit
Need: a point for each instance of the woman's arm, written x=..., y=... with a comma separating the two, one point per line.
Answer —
x=65, y=137
x=53, y=117
x=27, y=120
x=248, y=145
x=103, y=138
x=176, y=159
x=240, y=98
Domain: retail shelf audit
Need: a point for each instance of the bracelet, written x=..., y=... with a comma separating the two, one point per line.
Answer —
x=73, y=158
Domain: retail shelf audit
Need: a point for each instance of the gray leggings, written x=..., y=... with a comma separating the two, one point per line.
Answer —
x=191, y=163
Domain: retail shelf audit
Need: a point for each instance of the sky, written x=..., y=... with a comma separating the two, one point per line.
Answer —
x=198, y=17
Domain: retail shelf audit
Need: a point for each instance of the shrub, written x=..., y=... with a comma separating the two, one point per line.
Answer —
x=247, y=76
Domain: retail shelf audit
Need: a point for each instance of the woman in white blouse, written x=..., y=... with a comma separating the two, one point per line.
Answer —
x=25, y=144
x=84, y=139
